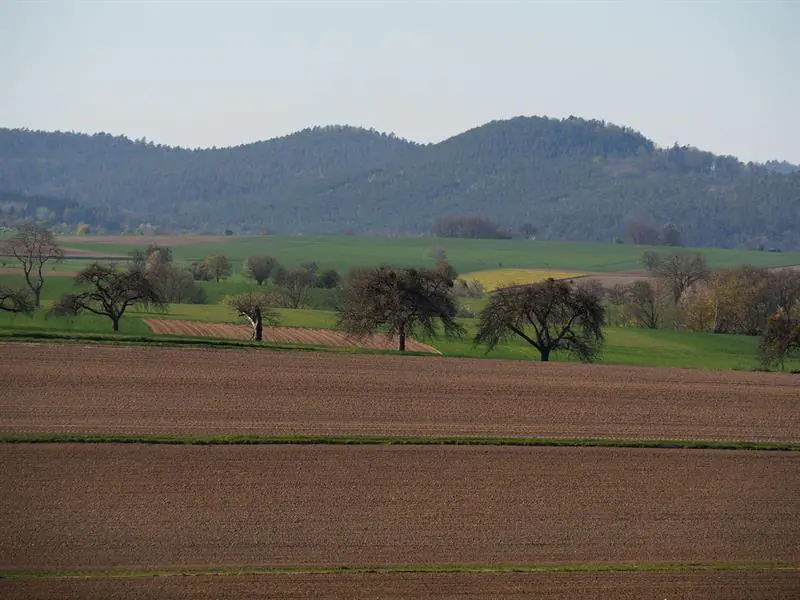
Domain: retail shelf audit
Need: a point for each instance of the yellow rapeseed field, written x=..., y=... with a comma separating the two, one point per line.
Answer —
x=498, y=278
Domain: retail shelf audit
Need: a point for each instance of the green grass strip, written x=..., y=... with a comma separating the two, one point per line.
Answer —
x=219, y=440
x=386, y=569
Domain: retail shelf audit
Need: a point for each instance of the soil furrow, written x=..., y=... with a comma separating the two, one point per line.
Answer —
x=727, y=585
x=134, y=390
x=73, y=506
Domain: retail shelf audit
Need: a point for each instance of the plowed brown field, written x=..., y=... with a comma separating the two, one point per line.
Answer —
x=725, y=585
x=112, y=389
x=137, y=506
x=289, y=335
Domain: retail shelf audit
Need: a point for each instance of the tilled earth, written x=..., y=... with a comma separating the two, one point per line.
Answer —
x=114, y=390
x=85, y=506
x=288, y=335
x=725, y=585
x=141, y=507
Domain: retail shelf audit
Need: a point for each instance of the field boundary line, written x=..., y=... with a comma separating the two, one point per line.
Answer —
x=21, y=336
x=342, y=440
x=632, y=567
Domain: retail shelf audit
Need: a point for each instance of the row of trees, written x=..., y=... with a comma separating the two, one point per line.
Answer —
x=683, y=293
x=400, y=302
x=551, y=316
x=110, y=290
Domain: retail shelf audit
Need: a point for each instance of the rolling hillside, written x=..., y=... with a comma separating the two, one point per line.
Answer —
x=570, y=179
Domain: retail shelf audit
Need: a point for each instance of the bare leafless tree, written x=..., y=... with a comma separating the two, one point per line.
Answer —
x=643, y=301
x=784, y=285
x=781, y=339
x=294, y=287
x=16, y=301
x=679, y=270
x=33, y=246
x=111, y=292
x=257, y=308
x=399, y=302
x=551, y=316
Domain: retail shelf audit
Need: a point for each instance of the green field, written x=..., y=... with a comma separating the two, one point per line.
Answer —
x=343, y=252
x=624, y=345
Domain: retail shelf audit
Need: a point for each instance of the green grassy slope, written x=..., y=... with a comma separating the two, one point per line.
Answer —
x=625, y=346
x=343, y=252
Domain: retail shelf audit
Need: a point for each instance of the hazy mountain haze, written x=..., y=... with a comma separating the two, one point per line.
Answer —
x=719, y=76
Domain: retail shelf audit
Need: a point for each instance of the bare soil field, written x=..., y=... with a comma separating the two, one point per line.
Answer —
x=114, y=390
x=617, y=278
x=724, y=585
x=78, y=253
x=288, y=335
x=131, y=506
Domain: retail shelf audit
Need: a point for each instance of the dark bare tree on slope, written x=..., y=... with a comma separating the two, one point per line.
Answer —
x=781, y=339
x=111, y=292
x=400, y=302
x=33, y=246
x=679, y=271
x=15, y=301
x=551, y=316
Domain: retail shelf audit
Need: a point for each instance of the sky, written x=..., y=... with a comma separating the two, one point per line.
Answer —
x=721, y=76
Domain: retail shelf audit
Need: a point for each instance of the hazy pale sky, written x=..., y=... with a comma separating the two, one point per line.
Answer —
x=722, y=76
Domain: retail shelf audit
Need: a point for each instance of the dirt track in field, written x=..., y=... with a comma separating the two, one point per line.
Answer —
x=72, y=506
x=725, y=585
x=113, y=390
x=287, y=335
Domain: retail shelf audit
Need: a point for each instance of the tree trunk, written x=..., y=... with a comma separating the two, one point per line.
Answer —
x=115, y=323
x=545, y=354
x=402, y=336
x=259, y=324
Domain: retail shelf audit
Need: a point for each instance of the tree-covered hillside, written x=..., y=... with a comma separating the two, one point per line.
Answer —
x=570, y=179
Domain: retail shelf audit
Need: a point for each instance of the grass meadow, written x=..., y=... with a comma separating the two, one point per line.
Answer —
x=498, y=258
x=344, y=252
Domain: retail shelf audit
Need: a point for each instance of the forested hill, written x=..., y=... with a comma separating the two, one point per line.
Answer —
x=570, y=179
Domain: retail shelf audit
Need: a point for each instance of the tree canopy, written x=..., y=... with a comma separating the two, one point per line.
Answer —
x=16, y=301
x=111, y=292
x=260, y=267
x=257, y=308
x=551, y=316
x=33, y=246
x=218, y=265
x=781, y=339
x=678, y=270
x=399, y=301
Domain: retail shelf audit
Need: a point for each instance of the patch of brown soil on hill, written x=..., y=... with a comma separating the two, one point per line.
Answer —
x=287, y=335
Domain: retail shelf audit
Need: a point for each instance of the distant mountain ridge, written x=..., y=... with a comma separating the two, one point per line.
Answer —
x=570, y=178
